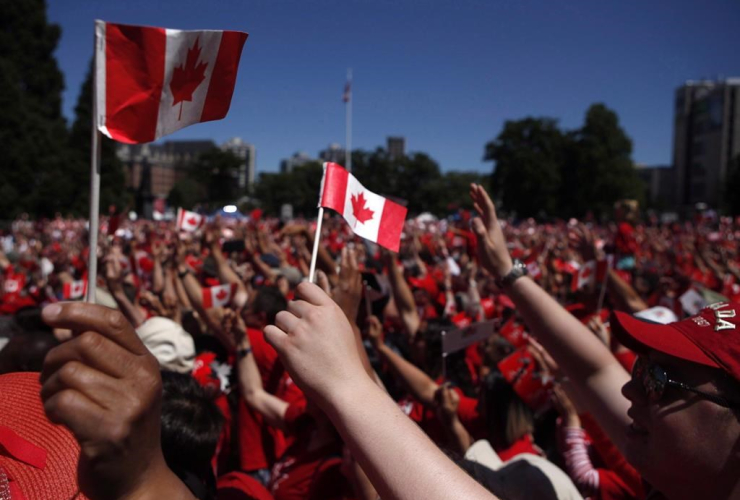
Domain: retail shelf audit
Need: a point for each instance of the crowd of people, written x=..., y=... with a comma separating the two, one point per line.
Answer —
x=211, y=368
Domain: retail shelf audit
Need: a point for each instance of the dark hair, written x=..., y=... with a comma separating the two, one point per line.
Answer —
x=269, y=300
x=507, y=417
x=191, y=426
x=26, y=350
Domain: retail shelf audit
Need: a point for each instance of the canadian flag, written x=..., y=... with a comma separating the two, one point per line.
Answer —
x=586, y=276
x=368, y=214
x=150, y=82
x=592, y=272
x=533, y=269
x=189, y=221
x=74, y=290
x=12, y=285
x=218, y=296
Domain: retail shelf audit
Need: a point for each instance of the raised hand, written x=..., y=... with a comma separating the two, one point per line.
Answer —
x=105, y=386
x=375, y=331
x=492, y=251
x=316, y=343
x=447, y=401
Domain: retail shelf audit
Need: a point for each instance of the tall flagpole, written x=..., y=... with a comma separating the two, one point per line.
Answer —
x=348, y=124
x=95, y=151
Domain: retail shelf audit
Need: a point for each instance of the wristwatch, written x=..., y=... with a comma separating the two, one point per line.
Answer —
x=518, y=270
x=243, y=353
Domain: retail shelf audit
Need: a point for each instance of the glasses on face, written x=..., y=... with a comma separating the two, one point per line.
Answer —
x=655, y=379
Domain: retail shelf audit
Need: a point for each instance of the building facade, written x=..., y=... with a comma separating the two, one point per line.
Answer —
x=660, y=186
x=334, y=153
x=247, y=153
x=300, y=158
x=396, y=148
x=706, y=139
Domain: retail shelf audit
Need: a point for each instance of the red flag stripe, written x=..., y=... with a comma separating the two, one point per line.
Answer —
x=223, y=79
x=334, y=187
x=391, y=225
x=134, y=58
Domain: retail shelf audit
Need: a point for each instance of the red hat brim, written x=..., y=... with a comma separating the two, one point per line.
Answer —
x=642, y=336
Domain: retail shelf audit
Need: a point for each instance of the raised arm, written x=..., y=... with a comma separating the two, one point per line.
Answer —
x=584, y=359
x=418, y=383
x=403, y=296
x=270, y=407
x=316, y=345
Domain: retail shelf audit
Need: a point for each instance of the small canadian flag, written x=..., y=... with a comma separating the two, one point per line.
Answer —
x=218, y=296
x=368, y=214
x=150, y=82
x=189, y=221
x=592, y=272
x=74, y=290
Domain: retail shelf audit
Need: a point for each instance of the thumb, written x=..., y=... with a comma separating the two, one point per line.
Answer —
x=479, y=227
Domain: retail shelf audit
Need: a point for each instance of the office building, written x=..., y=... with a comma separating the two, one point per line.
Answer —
x=706, y=139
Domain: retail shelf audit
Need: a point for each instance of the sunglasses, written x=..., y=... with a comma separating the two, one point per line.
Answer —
x=655, y=379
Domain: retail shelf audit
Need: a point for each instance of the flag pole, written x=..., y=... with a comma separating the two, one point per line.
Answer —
x=316, y=239
x=348, y=125
x=444, y=358
x=95, y=153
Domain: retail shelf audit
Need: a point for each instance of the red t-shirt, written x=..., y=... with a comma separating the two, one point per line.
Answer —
x=305, y=474
x=256, y=439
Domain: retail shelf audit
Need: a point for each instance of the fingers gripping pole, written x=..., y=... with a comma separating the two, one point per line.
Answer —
x=316, y=240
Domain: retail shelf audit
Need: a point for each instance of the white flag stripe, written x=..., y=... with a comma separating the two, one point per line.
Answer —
x=368, y=229
x=176, y=52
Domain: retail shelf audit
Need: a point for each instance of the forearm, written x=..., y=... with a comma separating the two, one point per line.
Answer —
x=404, y=300
x=627, y=297
x=270, y=407
x=225, y=273
x=157, y=277
x=418, y=383
x=400, y=460
x=588, y=363
x=458, y=436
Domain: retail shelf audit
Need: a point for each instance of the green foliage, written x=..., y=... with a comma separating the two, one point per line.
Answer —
x=186, y=193
x=543, y=170
x=217, y=172
x=414, y=181
x=112, y=178
x=529, y=157
x=33, y=132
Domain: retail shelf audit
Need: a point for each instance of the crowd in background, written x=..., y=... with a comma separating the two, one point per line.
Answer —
x=235, y=425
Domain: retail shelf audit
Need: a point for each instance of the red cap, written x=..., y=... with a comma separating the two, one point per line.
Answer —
x=710, y=338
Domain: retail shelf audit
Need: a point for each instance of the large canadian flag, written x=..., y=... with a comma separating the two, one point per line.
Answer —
x=74, y=290
x=150, y=82
x=368, y=214
x=218, y=296
x=189, y=221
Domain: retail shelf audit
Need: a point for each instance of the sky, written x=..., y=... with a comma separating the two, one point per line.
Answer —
x=444, y=74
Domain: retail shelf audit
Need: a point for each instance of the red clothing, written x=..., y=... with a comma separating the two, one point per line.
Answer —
x=240, y=486
x=308, y=474
x=256, y=440
x=619, y=480
x=625, y=240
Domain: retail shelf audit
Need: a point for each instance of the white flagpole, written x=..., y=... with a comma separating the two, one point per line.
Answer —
x=348, y=125
x=95, y=151
x=316, y=239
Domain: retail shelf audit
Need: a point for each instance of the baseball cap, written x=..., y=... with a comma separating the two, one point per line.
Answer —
x=710, y=338
x=169, y=343
x=38, y=459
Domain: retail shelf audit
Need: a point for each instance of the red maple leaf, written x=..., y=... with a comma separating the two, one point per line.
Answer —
x=221, y=295
x=586, y=273
x=361, y=213
x=187, y=77
x=192, y=221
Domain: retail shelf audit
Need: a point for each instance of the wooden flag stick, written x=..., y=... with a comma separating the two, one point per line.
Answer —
x=316, y=239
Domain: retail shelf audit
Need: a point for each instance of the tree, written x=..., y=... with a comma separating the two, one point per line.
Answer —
x=528, y=156
x=599, y=170
x=217, y=171
x=34, y=156
x=299, y=188
x=112, y=178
